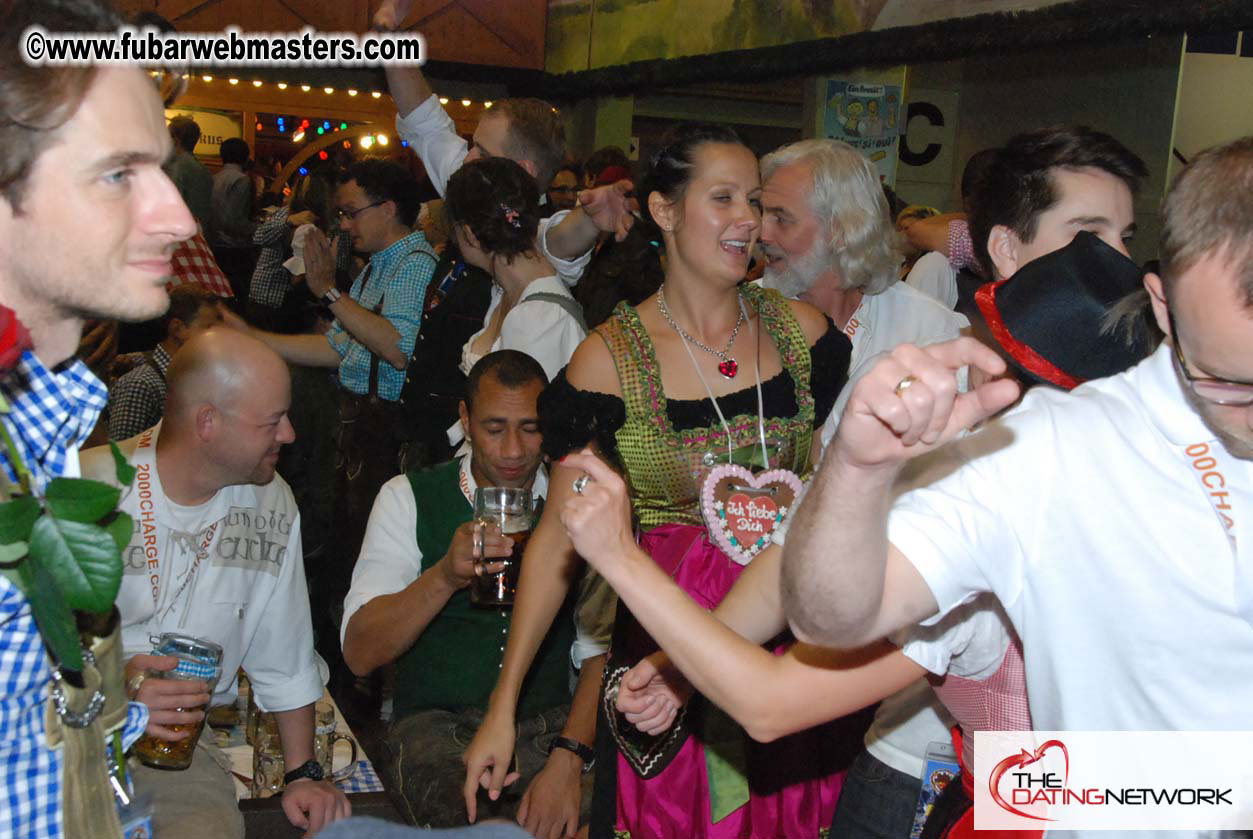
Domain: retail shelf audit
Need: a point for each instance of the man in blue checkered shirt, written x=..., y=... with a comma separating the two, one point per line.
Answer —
x=88, y=222
x=376, y=325
x=377, y=322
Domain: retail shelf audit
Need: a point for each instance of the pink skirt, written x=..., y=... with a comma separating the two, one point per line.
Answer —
x=793, y=782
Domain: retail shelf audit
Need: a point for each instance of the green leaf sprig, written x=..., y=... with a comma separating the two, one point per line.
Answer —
x=64, y=550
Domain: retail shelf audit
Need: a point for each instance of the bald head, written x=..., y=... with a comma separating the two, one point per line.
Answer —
x=226, y=409
x=221, y=367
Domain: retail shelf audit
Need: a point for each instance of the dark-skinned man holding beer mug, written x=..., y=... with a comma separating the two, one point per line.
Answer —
x=431, y=592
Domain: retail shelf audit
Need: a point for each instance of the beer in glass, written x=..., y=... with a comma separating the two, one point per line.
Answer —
x=198, y=659
x=508, y=510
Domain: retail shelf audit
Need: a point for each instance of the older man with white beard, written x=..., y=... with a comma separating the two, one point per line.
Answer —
x=829, y=241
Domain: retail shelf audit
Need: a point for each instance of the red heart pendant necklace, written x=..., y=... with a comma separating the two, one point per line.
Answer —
x=727, y=365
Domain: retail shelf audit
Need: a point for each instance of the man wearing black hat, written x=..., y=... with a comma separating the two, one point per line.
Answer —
x=1034, y=198
x=1064, y=520
x=1045, y=186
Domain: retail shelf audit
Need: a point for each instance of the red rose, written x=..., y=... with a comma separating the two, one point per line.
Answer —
x=14, y=339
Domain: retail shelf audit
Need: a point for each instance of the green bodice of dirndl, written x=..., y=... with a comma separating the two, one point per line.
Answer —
x=666, y=467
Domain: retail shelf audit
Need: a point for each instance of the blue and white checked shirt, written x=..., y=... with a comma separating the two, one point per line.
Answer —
x=398, y=275
x=51, y=413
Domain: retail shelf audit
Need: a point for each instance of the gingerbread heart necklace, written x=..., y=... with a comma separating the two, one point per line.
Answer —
x=742, y=510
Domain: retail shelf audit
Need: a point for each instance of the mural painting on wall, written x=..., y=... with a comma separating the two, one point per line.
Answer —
x=585, y=34
x=866, y=116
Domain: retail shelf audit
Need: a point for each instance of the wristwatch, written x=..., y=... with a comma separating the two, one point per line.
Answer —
x=309, y=769
x=585, y=753
x=331, y=296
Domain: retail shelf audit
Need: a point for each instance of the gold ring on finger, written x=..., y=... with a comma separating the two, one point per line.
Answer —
x=905, y=384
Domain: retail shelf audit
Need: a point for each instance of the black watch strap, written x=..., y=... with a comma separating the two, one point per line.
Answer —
x=309, y=769
x=585, y=753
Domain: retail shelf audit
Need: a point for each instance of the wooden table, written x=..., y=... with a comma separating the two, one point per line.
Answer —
x=264, y=817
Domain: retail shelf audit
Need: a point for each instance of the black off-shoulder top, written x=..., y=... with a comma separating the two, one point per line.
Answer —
x=571, y=418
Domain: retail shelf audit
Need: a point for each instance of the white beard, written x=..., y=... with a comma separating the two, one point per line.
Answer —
x=800, y=274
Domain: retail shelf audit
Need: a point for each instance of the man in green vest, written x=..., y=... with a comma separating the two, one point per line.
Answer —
x=409, y=604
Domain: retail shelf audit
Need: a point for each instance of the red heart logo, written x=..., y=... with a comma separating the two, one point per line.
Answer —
x=1025, y=758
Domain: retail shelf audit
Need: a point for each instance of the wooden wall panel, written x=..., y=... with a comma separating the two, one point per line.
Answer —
x=498, y=33
x=479, y=31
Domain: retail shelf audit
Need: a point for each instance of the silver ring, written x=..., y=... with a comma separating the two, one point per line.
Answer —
x=580, y=483
x=905, y=384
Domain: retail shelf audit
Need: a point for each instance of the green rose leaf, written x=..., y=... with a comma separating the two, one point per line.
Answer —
x=12, y=552
x=120, y=528
x=81, y=500
x=83, y=559
x=17, y=517
x=52, y=614
x=125, y=472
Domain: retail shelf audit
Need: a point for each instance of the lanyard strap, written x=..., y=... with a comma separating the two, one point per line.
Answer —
x=151, y=505
x=726, y=427
x=1209, y=472
x=1207, y=466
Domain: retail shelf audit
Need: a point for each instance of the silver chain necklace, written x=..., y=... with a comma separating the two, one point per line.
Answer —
x=727, y=365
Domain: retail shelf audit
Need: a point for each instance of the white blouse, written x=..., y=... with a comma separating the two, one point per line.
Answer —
x=540, y=328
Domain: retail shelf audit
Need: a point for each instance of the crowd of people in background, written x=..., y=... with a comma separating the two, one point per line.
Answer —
x=325, y=370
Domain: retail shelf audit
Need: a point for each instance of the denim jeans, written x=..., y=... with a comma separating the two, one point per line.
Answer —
x=878, y=802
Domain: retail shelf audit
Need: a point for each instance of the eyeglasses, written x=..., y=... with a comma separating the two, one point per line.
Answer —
x=351, y=215
x=1218, y=391
x=561, y=189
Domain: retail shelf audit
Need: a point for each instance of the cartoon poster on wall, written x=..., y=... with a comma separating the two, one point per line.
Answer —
x=868, y=118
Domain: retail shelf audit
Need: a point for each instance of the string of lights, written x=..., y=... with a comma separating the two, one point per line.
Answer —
x=301, y=129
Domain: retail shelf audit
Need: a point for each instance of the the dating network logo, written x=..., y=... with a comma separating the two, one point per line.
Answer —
x=1029, y=783
x=1069, y=780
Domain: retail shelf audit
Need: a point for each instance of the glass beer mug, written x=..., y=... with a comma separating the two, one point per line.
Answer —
x=268, y=766
x=509, y=510
x=197, y=660
x=325, y=736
